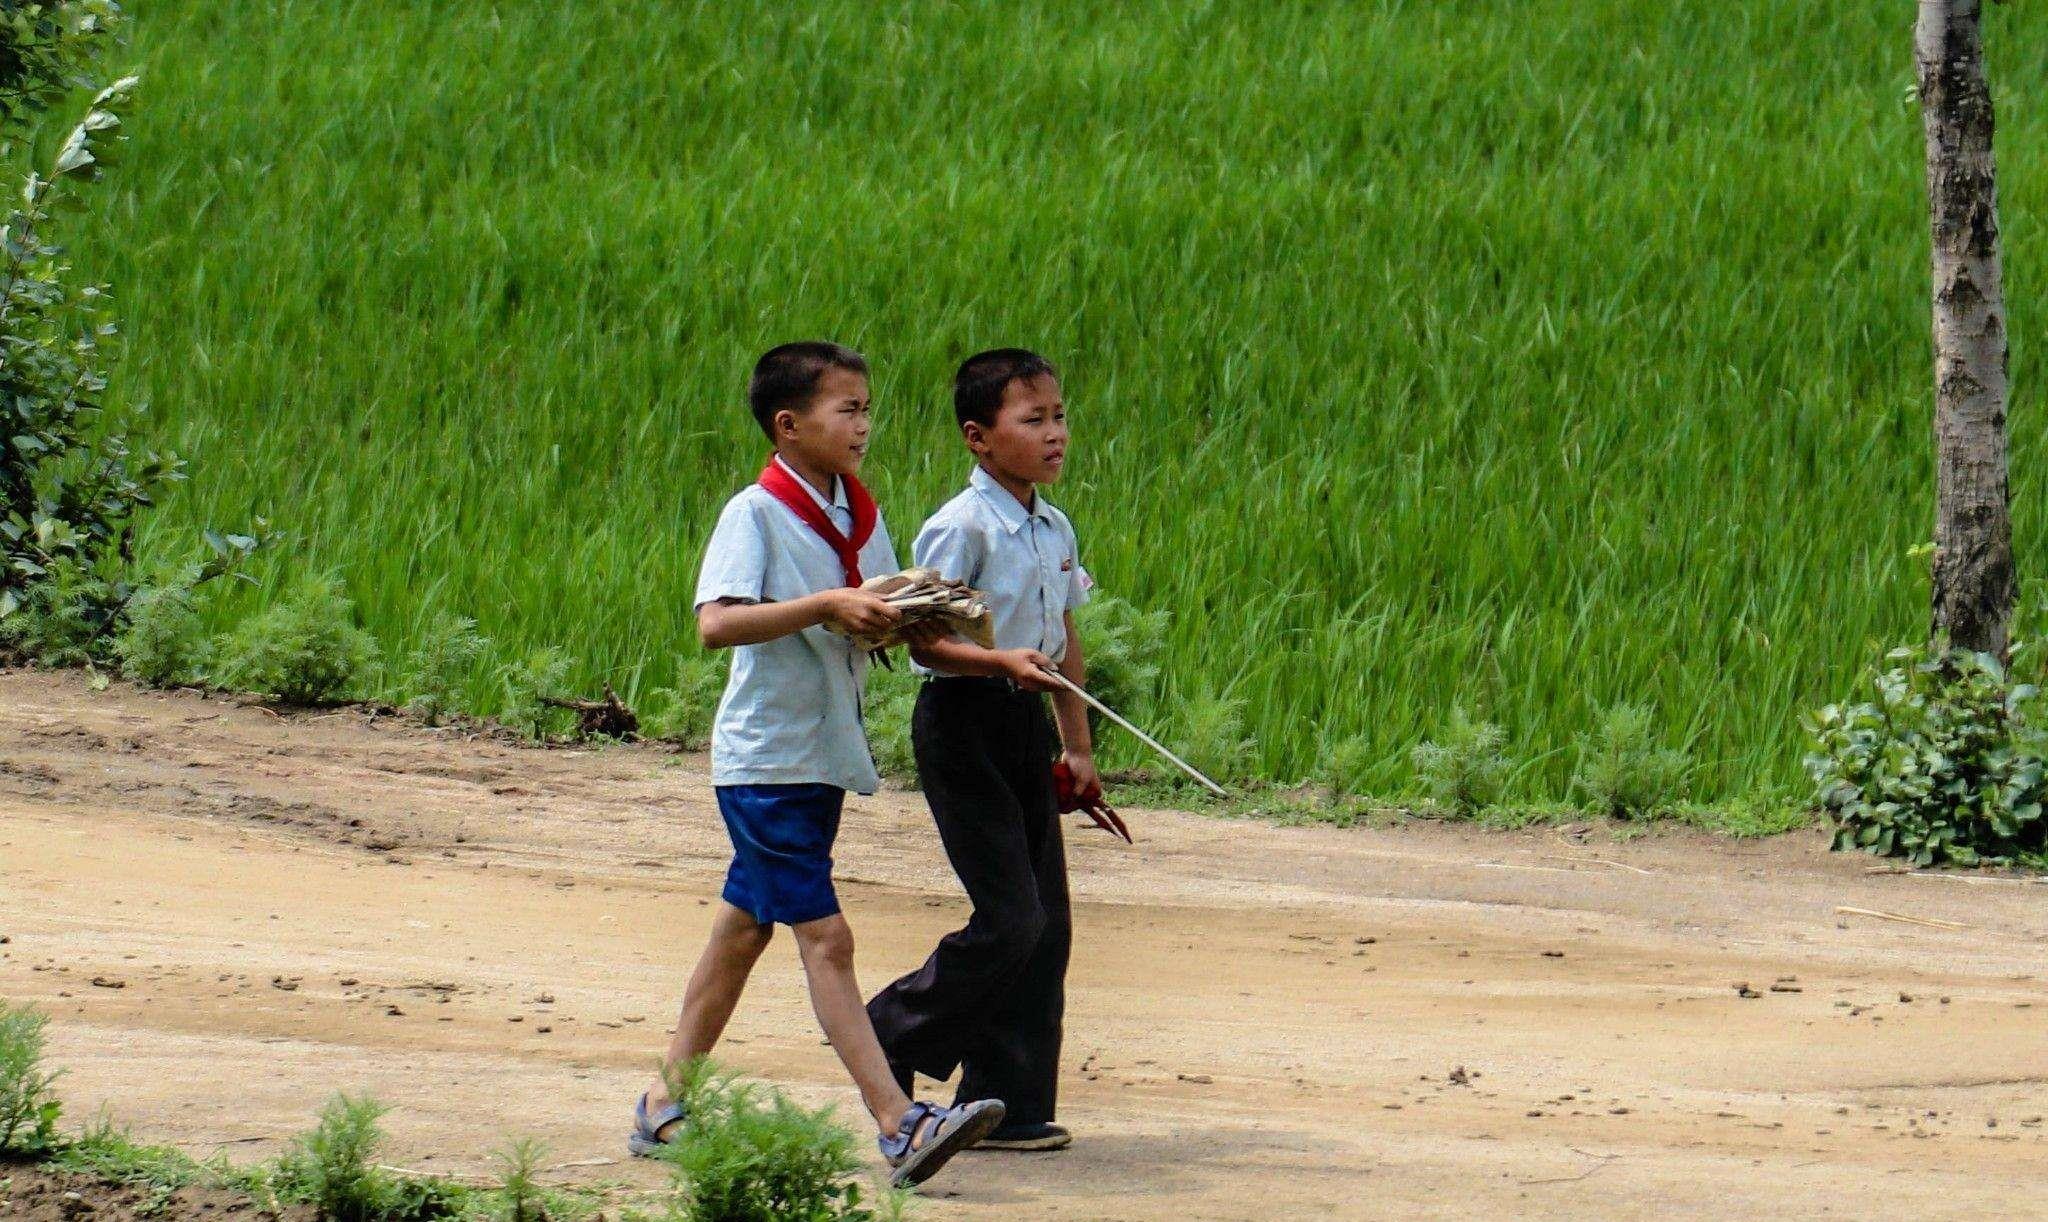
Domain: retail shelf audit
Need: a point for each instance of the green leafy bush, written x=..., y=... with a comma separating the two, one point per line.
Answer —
x=1623, y=772
x=1463, y=769
x=1348, y=766
x=1942, y=765
x=683, y=714
x=60, y=619
x=28, y=1111
x=432, y=677
x=541, y=673
x=71, y=480
x=1208, y=732
x=747, y=1154
x=334, y=1169
x=164, y=643
x=523, y=1198
x=1124, y=648
x=303, y=649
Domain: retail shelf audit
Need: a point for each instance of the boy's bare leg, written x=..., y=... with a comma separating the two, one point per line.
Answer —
x=827, y=949
x=736, y=943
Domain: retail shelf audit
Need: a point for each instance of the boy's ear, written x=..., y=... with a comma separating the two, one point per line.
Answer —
x=785, y=424
x=974, y=435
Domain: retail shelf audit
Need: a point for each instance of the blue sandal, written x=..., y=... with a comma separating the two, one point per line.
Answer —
x=646, y=1140
x=946, y=1131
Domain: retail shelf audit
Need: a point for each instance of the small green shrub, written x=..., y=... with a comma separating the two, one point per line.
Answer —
x=523, y=1199
x=747, y=1154
x=434, y=671
x=1209, y=733
x=164, y=643
x=1623, y=772
x=544, y=672
x=1463, y=769
x=683, y=714
x=333, y=1169
x=1348, y=766
x=1124, y=648
x=304, y=649
x=1943, y=765
x=61, y=620
x=28, y=1111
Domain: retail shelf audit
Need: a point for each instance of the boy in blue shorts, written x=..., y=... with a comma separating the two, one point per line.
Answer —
x=992, y=997
x=783, y=563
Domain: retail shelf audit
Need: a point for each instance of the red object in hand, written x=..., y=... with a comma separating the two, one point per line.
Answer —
x=1088, y=801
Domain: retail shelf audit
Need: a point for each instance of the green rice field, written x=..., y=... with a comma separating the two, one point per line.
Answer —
x=1532, y=357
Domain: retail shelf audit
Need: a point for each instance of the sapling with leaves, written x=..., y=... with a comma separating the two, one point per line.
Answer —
x=431, y=679
x=1623, y=771
x=28, y=1110
x=73, y=479
x=1463, y=767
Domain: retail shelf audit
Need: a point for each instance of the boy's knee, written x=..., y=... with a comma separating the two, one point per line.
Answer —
x=1018, y=934
x=742, y=941
x=826, y=943
x=756, y=940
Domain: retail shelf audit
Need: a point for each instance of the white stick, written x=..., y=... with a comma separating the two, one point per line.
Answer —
x=1143, y=737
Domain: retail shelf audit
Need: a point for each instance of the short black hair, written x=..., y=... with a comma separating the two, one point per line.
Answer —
x=787, y=375
x=978, y=387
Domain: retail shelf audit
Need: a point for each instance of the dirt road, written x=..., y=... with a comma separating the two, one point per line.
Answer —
x=231, y=914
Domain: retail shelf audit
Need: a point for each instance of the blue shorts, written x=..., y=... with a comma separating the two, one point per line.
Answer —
x=781, y=872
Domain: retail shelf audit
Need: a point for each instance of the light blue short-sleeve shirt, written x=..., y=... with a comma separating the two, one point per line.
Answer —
x=1025, y=560
x=791, y=713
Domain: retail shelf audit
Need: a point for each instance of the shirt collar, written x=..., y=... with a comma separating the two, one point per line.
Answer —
x=1009, y=511
x=838, y=500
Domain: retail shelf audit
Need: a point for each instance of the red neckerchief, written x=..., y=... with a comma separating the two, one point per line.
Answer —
x=786, y=488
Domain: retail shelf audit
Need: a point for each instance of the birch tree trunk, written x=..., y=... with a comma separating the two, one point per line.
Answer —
x=1973, y=565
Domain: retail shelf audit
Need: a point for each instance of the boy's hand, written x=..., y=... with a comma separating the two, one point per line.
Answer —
x=1082, y=768
x=1026, y=668
x=857, y=612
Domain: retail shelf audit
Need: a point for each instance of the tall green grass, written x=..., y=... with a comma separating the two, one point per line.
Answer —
x=1529, y=358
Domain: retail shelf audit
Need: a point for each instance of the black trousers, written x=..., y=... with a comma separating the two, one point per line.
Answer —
x=992, y=997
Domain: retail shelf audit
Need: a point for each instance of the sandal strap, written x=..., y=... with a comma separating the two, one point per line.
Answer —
x=900, y=1144
x=650, y=1126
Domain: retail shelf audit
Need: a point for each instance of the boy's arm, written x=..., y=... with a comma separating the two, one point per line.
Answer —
x=724, y=622
x=1071, y=712
x=1024, y=667
x=955, y=551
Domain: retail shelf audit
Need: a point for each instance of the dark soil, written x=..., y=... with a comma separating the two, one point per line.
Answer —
x=36, y=1194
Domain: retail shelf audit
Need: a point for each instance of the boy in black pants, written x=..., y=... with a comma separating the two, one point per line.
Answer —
x=992, y=995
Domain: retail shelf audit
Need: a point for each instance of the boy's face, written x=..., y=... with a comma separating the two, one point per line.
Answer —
x=1028, y=441
x=830, y=435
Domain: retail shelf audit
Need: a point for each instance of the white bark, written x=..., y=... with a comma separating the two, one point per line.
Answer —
x=1973, y=564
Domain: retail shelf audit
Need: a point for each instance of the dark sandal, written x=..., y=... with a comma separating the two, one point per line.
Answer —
x=949, y=1131
x=645, y=1140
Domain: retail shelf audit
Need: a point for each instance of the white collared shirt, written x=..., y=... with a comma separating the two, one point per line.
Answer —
x=791, y=713
x=1026, y=561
